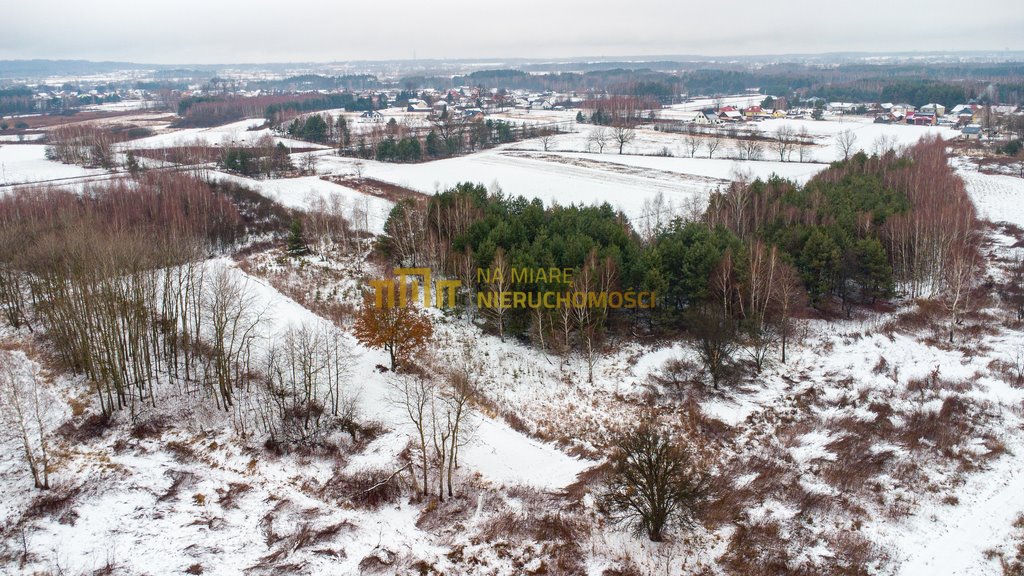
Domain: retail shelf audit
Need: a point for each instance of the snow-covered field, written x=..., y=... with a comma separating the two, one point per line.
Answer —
x=998, y=197
x=365, y=211
x=865, y=130
x=241, y=132
x=552, y=182
x=27, y=163
x=685, y=110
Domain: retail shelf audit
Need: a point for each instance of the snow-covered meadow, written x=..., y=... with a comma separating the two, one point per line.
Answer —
x=243, y=132
x=27, y=163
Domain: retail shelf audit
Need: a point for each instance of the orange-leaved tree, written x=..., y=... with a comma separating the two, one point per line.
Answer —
x=400, y=330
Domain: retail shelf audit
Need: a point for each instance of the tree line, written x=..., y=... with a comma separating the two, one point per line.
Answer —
x=736, y=273
x=118, y=283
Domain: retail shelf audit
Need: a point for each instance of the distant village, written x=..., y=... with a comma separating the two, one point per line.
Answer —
x=975, y=120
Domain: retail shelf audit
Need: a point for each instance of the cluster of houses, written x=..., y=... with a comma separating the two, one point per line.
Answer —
x=473, y=102
x=732, y=114
x=970, y=118
x=50, y=100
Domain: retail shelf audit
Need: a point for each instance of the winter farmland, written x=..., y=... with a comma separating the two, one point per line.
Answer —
x=196, y=377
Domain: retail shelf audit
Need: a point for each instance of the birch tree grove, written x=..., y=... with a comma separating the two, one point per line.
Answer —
x=596, y=277
x=113, y=279
x=26, y=408
x=304, y=388
x=440, y=417
x=234, y=320
x=941, y=226
x=760, y=310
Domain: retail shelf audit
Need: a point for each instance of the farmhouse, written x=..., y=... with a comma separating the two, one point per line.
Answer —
x=706, y=117
x=416, y=105
x=371, y=116
x=921, y=119
x=971, y=132
x=730, y=114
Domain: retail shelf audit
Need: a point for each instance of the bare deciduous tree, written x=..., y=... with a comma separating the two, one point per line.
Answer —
x=654, y=484
x=713, y=339
x=750, y=148
x=960, y=275
x=804, y=142
x=623, y=135
x=598, y=137
x=546, y=138
x=691, y=142
x=783, y=143
x=712, y=142
x=883, y=144
x=790, y=297
x=414, y=394
x=596, y=277
x=499, y=283
x=308, y=164
x=846, y=142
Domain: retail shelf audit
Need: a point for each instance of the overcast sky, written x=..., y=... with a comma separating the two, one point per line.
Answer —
x=218, y=31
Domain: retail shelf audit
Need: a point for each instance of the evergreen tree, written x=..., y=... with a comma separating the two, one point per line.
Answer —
x=344, y=136
x=131, y=163
x=820, y=262
x=296, y=239
x=434, y=146
x=873, y=273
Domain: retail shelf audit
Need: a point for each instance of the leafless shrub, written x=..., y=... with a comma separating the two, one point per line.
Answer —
x=942, y=430
x=58, y=502
x=855, y=462
x=758, y=548
x=180, y=479
x=303, y=537
x=926, y=314
x=182, y=452
x=677, y=376
x=151, y=428
x=560, y=533
x=507, y=524
x=627, y=569
x=379, y=560
x=368, y=489
x=852, y=554
x=227, y=497
x=86, y=429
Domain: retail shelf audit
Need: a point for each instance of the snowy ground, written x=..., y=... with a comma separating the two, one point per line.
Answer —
x=685, y=110
x=197, y=495
x=27, y=163
x=134, y=514
x=999, y=198
x=552, y=182
x=241, y=132
x=365, y=211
